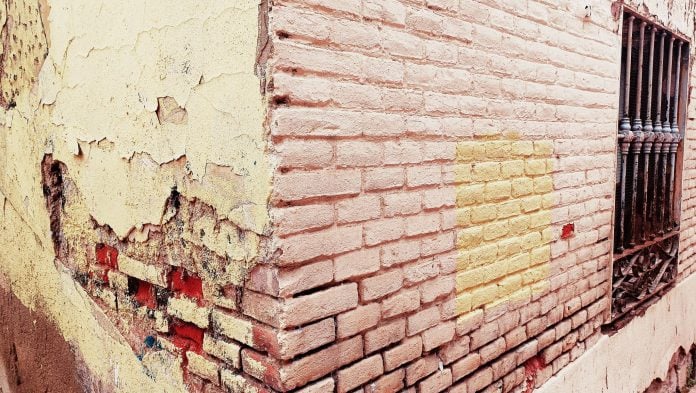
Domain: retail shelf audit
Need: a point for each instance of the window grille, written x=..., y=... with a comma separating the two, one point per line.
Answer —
x=654, y=83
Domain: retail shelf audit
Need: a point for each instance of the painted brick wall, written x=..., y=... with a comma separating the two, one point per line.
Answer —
x=429, y=154
x=687, y=262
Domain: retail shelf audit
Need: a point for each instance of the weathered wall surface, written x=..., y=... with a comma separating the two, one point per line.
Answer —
x=424, y=157
x=429, y=155
x=667, y=326
x=134, y=178
x=640, y=352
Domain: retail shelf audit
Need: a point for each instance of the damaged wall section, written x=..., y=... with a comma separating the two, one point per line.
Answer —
x=134, y=169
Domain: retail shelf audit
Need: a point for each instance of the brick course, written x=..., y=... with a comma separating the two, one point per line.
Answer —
x=428, y=155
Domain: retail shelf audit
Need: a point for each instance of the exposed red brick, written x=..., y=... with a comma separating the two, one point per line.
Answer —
x=187, y=336
x=186, y=283
x=106, y=255
x=145, y=294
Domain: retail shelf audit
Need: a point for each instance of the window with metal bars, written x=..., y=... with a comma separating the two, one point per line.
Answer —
x=654, y=83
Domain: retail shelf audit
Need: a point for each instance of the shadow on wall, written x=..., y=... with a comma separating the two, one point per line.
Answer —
x=34, y=357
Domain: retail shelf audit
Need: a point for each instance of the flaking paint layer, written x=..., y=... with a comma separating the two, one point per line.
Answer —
x=92, y=104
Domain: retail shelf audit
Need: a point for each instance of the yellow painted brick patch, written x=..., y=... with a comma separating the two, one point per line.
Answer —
x=504, y=197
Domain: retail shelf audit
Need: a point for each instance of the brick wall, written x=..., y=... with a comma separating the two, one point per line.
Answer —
x=687, y=262
x=429, y=155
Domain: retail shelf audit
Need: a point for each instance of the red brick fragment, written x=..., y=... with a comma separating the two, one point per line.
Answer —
x=187, y=337
x=106, y=255
x=145, y=294
x=568, y=230
x=531, y=368
x=183, y=282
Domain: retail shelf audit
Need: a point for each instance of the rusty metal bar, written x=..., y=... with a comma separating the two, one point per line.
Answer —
x=637, y=120
x=625, y=124
x=658, y=112
x=677, y=87
x=666, y=126
x=656, y=202
x=647, y=149
x=672, y=168
x=664, y=189
x=636, y=148
x=625, y=145
x=648, y=116
x=674, y=144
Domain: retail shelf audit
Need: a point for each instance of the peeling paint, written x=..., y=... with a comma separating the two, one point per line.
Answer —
x=114, y=105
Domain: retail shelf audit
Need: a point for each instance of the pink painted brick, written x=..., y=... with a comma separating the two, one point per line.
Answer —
x=454, y=350
x=403, y=353
x=401, y=100
x=381, y=285
x=384, y=178
x=291, y=281
x=390, y=383
x=420, y=271
x=384, y=335
x=332, y=123
x=400, y=303
x=331, y=301
x=327, y=183
x=360, y=208
x=439, y=150
x=466, y=366
x=401, y=44
x=437, y=382
x=439, y=197
x=400, y=252
x=404, y=203
x=402, y=152
x=327, y=242
x=358, y=320
x=423, y=320
x=422, y=224
x=356, y=263
x=392, y=11
x=421, y=368
x=353, y=154
x=301, y=218
x=471, y=321
x=325, y=385
x=438, y=335
x=304, y=154
x=301, y=340
x=380, y=231
x=424, y=175
x=436, y=288
x=492, y=350
x=437, y=244
x=480, y=379
x=359, y=373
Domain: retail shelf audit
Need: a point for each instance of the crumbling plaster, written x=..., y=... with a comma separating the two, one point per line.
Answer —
x=108, y=64
x=92, y=105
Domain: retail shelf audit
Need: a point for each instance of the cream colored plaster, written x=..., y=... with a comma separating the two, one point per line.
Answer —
x=107, y=65
x=641, y=351
x=94, y=109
